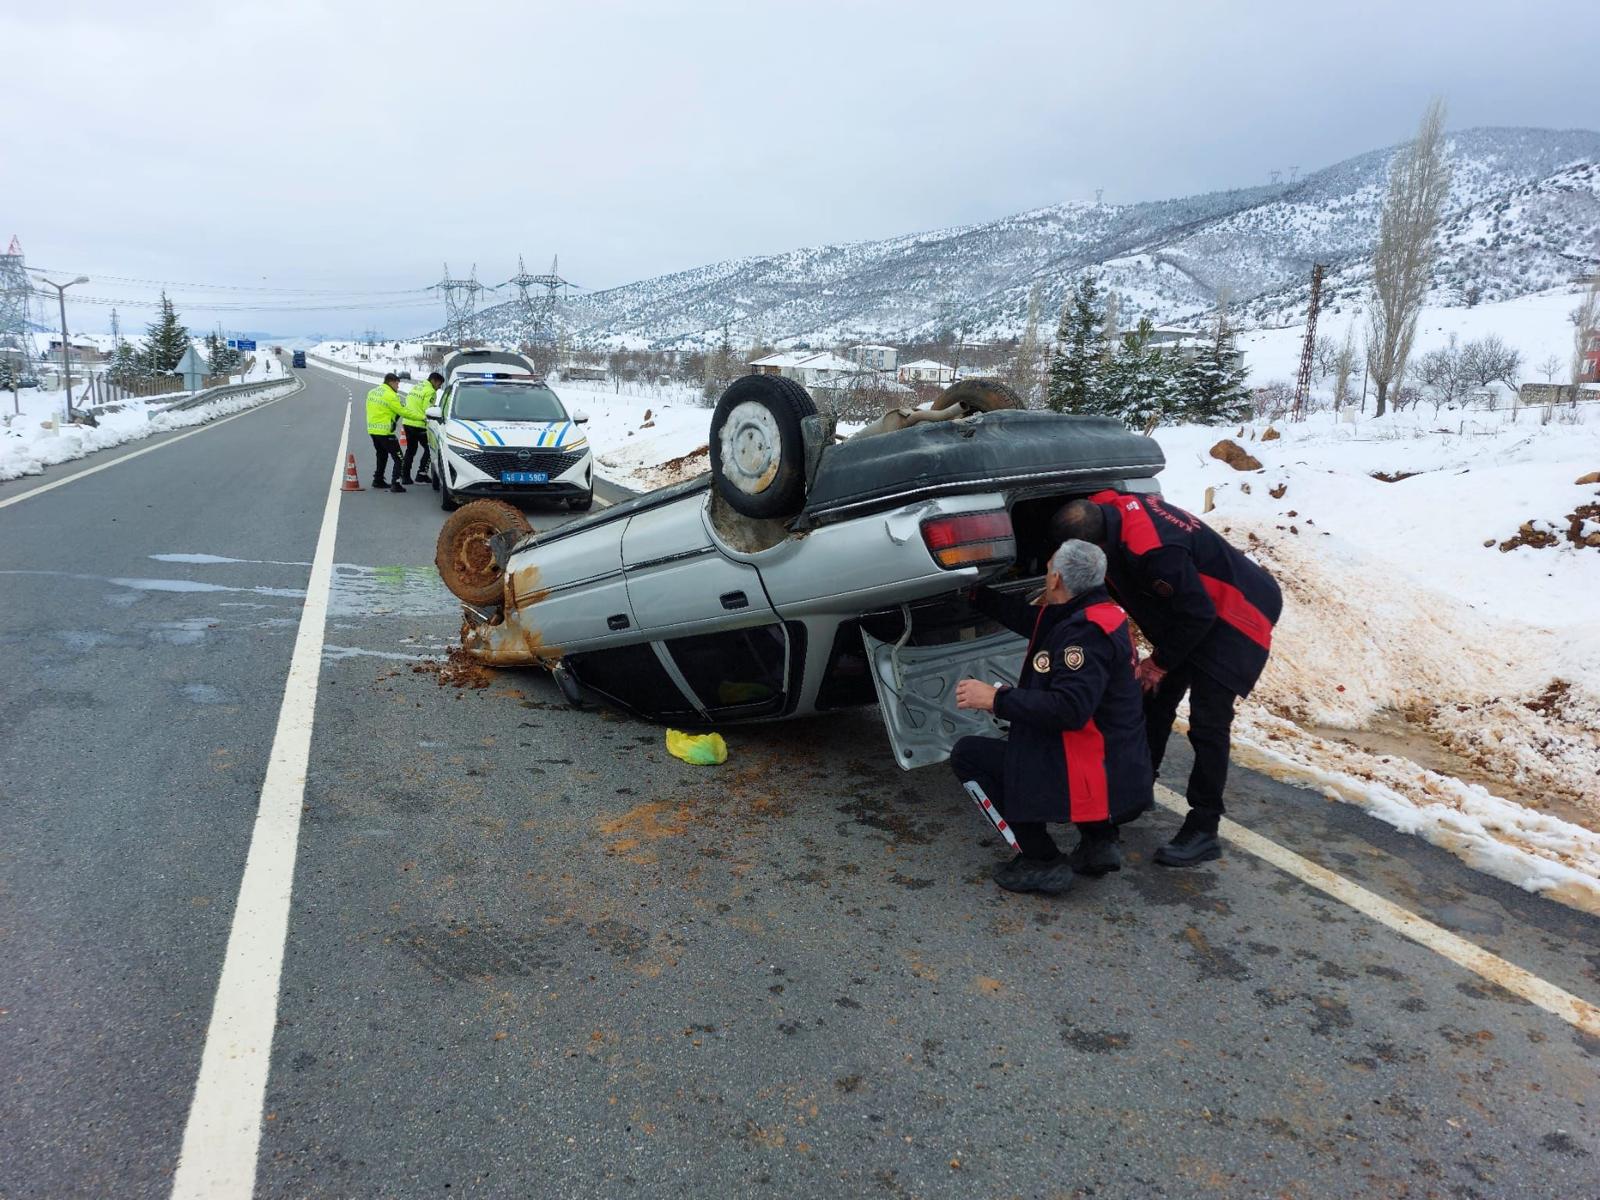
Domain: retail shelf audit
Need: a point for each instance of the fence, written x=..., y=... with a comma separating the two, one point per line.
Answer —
x=236, y=389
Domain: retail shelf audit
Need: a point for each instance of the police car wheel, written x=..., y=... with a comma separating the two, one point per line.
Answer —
x=465, y=552
x=758, y=445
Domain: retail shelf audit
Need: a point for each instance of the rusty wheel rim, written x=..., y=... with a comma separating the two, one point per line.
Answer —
x=473, y=557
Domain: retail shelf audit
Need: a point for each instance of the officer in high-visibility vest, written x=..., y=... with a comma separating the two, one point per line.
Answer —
x=415, y=420
x=383, y=407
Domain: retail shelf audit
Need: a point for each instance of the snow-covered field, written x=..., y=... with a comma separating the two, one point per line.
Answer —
x=36, y=438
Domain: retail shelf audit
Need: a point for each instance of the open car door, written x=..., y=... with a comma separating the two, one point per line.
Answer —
x=917, y=691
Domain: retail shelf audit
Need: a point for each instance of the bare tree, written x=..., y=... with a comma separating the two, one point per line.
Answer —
x=1549, y=367
x=1402, y=261
x=1585, y=325
x=1489, y=360
x=1026, y=374
x=1442, y=375
x=1324, y=356
x=1109, y=332
x=1345, y=364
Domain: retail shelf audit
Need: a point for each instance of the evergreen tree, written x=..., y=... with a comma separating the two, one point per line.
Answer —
x=165, y=340
x=1076, y=367
x=125, y=369
x=1210, y=386
x=1138, y=382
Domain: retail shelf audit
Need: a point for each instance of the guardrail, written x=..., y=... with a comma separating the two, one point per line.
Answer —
x=232, y=389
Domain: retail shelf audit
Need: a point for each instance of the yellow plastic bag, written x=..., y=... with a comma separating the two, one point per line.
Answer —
x=699, y=749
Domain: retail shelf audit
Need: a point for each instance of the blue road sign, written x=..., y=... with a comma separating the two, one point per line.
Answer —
x=243, y=344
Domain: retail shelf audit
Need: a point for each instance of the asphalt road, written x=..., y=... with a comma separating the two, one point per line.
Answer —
x=530, y=954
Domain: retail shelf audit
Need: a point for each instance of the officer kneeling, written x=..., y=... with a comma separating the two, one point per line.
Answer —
x=1077, y=749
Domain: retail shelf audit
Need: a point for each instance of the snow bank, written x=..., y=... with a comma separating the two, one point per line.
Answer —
x=27, y=448
x=1402, y=613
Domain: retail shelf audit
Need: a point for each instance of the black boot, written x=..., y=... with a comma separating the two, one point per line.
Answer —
x=395, y=486
x=423, y=476
x=1194, y=844
x=1097, y=853
x=1049, y=876
x=377, y=482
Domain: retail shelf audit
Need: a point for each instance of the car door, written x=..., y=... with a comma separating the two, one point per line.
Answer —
x=679, y=583
x=917, y=691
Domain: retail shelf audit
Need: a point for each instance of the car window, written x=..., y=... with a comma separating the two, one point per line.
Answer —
x=633, y=677
x=741, y=670
x=505, y=402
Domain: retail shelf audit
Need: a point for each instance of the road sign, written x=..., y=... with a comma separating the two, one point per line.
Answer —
x=243, y=344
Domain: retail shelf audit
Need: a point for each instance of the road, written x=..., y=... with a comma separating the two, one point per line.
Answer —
x=528, y=953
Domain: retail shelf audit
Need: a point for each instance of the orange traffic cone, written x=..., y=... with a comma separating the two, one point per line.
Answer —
x=402, y=439
x=352, y=481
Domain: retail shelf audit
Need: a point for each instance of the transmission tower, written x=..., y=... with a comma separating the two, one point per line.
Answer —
x=536, y=314
x=16, y=294
x=1302, y=385
x=460, y=304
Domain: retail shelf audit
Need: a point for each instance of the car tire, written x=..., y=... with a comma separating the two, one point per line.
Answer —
x=464, y=553
x=447, y=498
x=758, y=446
x=582, y=503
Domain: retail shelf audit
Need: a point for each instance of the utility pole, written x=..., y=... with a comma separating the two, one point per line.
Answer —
x=1302, y=386
x=66, y=364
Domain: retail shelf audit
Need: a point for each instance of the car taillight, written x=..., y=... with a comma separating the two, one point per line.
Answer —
x=970, y=538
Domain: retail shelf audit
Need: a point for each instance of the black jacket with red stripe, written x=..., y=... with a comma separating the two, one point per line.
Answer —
x=1197, y=599
x=1077, y=749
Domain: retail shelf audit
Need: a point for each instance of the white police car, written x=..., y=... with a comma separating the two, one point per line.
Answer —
x=499, y=430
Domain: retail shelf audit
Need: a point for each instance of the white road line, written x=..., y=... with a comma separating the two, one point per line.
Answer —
x=223, y=1136
x=1576, y=1012
x=45, y=487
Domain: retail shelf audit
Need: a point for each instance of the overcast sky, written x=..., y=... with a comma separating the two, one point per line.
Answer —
x=360, y=146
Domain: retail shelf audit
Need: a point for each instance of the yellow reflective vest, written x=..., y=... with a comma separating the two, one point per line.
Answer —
x=383, y=406
x=416, y=404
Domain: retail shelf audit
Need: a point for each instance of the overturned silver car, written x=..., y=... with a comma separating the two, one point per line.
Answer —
x=802, y=574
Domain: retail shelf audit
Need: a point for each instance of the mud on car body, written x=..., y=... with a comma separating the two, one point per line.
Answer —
x=801, y=574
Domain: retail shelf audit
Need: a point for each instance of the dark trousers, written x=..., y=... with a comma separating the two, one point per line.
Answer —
x=416, y=437
x=1210, y=733
x=385, y=446
x=982, y=760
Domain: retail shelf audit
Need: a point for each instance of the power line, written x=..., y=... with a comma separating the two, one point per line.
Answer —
x=100, y=276
x=234, y=306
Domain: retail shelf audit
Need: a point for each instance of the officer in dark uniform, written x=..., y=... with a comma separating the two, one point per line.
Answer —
x=1208, y=611
x=1077, y=750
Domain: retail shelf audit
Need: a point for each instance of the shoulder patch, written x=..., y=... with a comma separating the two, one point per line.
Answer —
x=1041, y=662
x=1072, y=658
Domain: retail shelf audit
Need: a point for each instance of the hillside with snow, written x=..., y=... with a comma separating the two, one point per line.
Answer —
x=1523, y=216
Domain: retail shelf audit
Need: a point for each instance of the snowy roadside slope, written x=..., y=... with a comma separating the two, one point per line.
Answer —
x=1398, y=618
x=27, y=449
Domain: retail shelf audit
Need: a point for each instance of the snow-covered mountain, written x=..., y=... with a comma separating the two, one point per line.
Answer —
x=1524, y=213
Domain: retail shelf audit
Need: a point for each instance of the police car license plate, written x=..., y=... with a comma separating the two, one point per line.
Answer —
x=524, y=477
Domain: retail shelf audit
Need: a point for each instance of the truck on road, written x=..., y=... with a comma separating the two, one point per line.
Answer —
x=298, y=359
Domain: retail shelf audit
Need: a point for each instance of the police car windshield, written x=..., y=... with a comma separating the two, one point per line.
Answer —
x=506, y=402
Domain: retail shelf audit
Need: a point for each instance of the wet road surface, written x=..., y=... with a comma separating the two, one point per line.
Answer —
x=531, y=954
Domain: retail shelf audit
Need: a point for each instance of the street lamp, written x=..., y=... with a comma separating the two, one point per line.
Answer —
x=61, y=297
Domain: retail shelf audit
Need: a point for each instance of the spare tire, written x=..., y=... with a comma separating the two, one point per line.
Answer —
x=758, y=452
x=465, y=554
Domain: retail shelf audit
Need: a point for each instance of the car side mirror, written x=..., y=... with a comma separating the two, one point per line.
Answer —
x=433, y=413
x=580, y=418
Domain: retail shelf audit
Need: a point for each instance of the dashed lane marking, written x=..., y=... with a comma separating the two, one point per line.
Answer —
x=223, y=1135
x=55, y=483
x=1578, y=1013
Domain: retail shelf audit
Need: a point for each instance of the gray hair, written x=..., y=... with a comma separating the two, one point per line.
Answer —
x=1081, y=565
